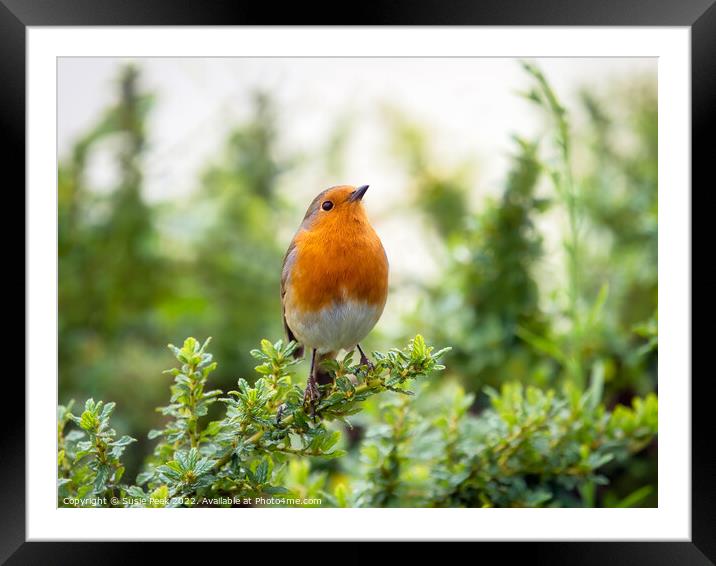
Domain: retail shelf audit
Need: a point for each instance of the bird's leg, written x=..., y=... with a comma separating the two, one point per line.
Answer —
x=364, y=361
x=312, y=393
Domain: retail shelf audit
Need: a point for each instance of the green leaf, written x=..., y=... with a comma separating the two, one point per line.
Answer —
x=107, y=411
x=123, y=441
x=261, y=473
x=89, y=421
x=100, y=481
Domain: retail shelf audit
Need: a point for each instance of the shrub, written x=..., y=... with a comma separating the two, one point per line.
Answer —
x=530, y=448
x=245, y=454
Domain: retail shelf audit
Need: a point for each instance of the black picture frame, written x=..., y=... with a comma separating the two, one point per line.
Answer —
x=699, y=15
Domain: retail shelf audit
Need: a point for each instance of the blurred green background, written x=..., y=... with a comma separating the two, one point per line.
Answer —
x=521, y=234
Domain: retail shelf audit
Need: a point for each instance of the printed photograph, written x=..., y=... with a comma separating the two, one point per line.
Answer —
x=357, y=282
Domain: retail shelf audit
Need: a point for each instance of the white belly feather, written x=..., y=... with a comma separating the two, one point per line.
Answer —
x=335, y=327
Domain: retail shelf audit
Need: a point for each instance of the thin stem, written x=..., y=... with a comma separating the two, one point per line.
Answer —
x=564, y=184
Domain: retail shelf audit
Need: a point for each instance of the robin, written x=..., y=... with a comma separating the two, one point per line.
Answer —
x=334, y=281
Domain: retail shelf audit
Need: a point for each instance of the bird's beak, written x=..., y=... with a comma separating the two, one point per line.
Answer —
x=358, y=193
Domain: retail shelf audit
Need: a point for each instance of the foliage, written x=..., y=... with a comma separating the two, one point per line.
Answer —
x=489, y=290
x=620, y=199
x=494, y=302
x=570, y=342
x=244, y=455
x=189, y=401
x=530, y=448
x=88, y=459
x=611, y=259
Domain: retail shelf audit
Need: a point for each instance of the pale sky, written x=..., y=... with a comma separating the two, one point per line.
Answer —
x=470, y=104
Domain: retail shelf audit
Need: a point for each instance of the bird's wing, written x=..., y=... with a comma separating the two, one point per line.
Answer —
x=288, y=261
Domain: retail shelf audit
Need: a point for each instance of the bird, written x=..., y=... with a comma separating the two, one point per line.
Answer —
x=334, y=282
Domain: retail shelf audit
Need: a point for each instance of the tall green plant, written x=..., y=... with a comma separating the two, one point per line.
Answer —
x=567, y=192
x=612, y=207
x=488, y=290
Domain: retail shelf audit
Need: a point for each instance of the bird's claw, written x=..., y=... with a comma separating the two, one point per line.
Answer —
x=367, y=363
x=311, y=395
x=364, y=361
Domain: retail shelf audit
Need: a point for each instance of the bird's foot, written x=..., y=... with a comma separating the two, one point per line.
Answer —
x=311, y=396
x=364, y=361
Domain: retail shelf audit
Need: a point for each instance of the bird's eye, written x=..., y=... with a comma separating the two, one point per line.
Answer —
x=327, y=205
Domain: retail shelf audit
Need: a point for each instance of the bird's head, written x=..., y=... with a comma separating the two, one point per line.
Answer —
x=336, y=206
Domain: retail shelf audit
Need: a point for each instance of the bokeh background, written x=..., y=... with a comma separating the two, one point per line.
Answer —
x=182, y=181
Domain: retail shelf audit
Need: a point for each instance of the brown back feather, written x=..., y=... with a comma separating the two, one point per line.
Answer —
x=288, y=260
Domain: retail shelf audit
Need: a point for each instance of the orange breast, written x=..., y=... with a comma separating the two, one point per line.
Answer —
x=336, y=262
